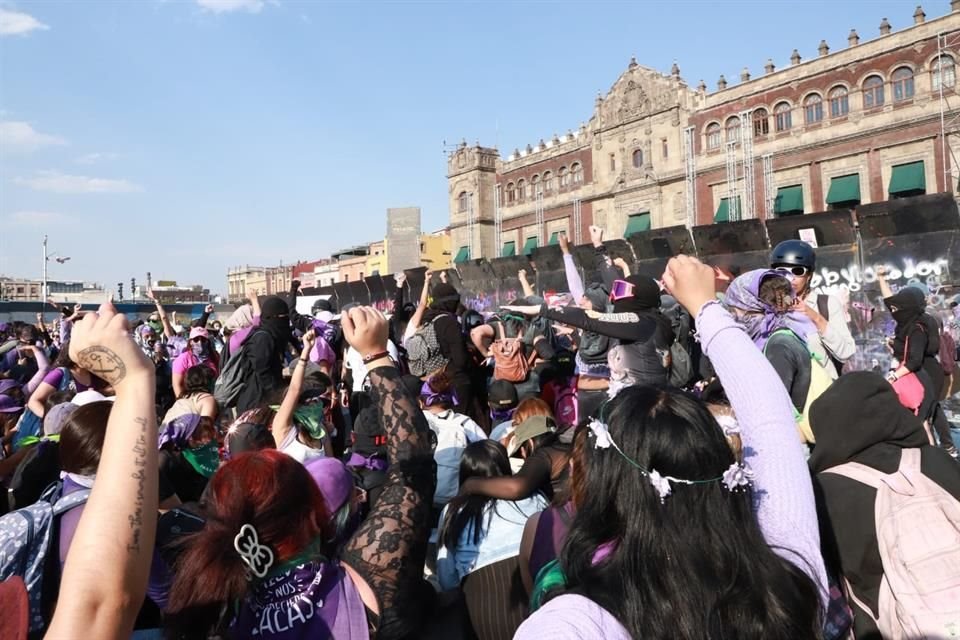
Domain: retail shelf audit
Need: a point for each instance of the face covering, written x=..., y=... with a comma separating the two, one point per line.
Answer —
x=200, y=350
x=310, y=418
x=501, y=415
x=204, y=459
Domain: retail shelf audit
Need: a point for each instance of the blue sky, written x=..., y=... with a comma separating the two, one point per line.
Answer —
x=183, y=137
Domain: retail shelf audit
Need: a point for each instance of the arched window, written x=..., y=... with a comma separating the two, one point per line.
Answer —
x=637, y=158
x=713, y=136
x=902, y=80
x=564, y=177
x=761, y=123
x=547, y=183
x=521, y=190
x=783, y=116
x=872, y=92
x=839, y=102
x=733, y=129
x=535, y=185
x=577, y=170
x=463, y=202
x=511, y=193
x=943, y=70
x=813, y=109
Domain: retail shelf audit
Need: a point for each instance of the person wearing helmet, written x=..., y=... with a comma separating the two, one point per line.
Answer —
x=797, y=260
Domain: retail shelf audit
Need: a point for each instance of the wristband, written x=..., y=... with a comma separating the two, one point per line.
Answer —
x=375, y=356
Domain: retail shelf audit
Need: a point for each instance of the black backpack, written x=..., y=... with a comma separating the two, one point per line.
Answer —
x=39, y=469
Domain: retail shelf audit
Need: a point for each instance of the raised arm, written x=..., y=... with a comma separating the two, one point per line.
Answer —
x=417, y=316
x=784, y=493
x=574, y=281
x=885, y=290
x=105, y=576
x=283, y=420
x=43, y=368
x=528, y=291
x=387, y=553
x=167, y=327
x=254, y=302
x=623, y=326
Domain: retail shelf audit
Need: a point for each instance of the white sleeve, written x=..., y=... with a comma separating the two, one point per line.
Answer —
x=473, y=431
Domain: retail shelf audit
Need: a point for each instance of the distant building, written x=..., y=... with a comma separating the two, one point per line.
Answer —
x=864, y=123
x=352, y=263
x=168, y=292
x=434, y=253
x=242, y=279
x=62, y=291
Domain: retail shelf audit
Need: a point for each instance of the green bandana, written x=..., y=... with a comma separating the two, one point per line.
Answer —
x=310, y=417
x=205, y=459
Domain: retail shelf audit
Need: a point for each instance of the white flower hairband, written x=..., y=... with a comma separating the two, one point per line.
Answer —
x=737, y=475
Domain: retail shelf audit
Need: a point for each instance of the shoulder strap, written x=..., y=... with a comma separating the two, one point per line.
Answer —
x=70, y=501
x=859, y=472
x=502, y=332
x=823, y=306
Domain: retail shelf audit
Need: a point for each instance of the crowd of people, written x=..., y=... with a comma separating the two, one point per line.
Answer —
x=673, y=457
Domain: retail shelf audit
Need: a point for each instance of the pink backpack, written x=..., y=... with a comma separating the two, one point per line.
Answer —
x=918, y=531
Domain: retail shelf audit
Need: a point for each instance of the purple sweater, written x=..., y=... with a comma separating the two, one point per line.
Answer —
x=782, y=488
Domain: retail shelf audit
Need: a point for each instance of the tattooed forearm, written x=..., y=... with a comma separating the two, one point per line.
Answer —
x=140, y=460
x=103, y=363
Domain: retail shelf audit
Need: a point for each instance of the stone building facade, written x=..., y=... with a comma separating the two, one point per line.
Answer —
x=857, y=125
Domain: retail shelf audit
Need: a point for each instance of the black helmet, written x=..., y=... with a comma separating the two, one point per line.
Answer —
x=794, y=253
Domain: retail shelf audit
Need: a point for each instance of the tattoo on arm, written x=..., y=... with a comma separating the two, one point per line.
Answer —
x=140, y=461
x=103, y=363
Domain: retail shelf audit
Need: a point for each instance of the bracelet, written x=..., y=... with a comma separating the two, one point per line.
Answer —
x=305, y=360
x=375, y=356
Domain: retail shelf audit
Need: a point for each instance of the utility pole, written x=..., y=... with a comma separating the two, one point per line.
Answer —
x=43, y=292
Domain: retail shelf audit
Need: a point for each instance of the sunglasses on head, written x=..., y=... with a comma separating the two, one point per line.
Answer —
x=797, y=271
x=621, y=289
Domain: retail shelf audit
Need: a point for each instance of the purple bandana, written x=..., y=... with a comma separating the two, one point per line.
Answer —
x=761, y=320
x=431, y=397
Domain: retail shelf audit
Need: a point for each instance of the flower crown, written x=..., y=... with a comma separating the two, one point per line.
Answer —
x=736, y=476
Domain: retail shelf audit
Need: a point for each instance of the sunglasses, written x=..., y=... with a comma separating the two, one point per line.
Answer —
x=621, y=289
x=797, y=271
x=197, y=339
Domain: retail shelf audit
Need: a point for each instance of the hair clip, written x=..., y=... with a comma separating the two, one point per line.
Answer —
x=729, y=424
x=258, y=557
x=660, y=483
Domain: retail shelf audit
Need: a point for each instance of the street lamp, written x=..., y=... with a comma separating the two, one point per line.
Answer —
x=47, y=258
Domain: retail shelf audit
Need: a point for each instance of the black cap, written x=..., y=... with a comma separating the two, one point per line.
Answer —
x=502, y=395
x=794, y=253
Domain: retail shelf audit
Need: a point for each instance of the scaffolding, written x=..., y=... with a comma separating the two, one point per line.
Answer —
x=577, y=222
x=690, y=157
x=769, y=196
x=947, y=43
x=748, y=207
x=540, y=240
x=497, y=222
x=733, y=206
x=471, y=225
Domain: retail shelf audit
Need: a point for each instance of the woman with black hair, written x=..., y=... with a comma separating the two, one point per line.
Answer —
x=670, y=540
x=480, y=540
x=196, y=396
x=545, y=467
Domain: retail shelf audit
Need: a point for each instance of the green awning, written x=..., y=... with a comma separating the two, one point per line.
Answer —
x=789, y=200
x=908, y=177
x=530, y=245
x=844, y=189
x=636, y=223
x=554, y=238
x=723, y=211
x=462, y=255
x=509, y=249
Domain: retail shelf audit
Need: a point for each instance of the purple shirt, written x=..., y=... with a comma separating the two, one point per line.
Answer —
x=55, y=379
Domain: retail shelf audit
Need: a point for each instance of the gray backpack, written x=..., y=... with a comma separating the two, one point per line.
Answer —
x=423, y=351
x=26, y=539
x=237, y=373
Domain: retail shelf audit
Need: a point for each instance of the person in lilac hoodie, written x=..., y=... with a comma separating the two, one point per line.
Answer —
x=673, y=537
